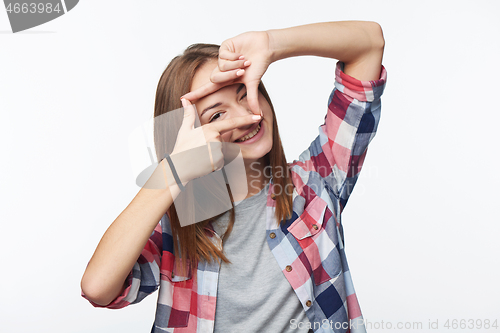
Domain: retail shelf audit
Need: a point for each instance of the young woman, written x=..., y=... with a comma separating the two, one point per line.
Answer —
x=275, y=262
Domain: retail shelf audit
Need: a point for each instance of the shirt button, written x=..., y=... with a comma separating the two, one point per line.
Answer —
x=272, y=235
x=273, y=196
x=173, y=275
x=308, y=303
x=288, y=268
x=315, y=227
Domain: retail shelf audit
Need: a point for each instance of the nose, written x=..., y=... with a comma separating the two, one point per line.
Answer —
x=241, y=110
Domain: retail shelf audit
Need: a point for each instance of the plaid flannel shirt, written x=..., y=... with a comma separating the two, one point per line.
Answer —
x=308, y=247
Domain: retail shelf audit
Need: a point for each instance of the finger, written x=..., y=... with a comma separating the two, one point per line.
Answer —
x=217, y=154
x=229, y=76
x=253, y=96
x=232, y=123
x=202, y=91
x=226, y=65
x=228, y=55
x=189, y=114
x=211, y=157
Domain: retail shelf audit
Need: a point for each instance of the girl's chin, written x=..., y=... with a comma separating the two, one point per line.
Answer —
x=254, y=154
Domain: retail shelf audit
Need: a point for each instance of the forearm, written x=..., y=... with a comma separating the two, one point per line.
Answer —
x=358, y=44
x=123, y=242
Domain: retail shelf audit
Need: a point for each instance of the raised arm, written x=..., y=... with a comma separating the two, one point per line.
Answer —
x=107, y=272
x=117, y=252
x=353, y=113
x=359, y=45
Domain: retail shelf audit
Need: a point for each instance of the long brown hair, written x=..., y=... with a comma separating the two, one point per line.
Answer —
x=193, y=241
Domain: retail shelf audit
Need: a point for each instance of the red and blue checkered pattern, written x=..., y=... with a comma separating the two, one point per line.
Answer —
x=308, y=247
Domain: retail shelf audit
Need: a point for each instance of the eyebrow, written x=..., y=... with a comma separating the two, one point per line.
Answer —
x=219, y=103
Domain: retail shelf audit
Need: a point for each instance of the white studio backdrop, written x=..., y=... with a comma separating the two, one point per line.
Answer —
x=421, y=228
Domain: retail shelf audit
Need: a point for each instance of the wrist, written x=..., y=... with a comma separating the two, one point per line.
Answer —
x=182, y=166
x=173, y=177
x=288, y=42
x=276, y=44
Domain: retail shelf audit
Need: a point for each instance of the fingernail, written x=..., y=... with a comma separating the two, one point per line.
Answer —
x=256, y=117
x=247, y=63
x=183, y=101
x=240, y=72
x=241, y=57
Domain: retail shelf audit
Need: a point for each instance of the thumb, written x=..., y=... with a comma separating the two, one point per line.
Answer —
x=253, y=96
x=189, y=114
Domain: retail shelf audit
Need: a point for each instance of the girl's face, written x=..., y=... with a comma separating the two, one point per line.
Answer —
x=229, y=102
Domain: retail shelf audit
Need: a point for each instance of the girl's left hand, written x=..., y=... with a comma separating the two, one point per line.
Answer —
x=242, y=59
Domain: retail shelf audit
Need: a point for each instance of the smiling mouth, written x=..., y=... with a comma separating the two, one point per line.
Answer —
x=250, y=135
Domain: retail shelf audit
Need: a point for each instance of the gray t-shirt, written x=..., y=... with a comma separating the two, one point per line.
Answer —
x=253, y=294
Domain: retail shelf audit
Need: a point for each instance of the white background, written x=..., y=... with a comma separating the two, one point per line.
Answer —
x=421, y=228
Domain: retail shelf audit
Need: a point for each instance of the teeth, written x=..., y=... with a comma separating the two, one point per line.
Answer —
x=250, y=135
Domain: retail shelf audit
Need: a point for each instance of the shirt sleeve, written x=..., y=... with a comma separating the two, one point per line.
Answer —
x=338, y=152
x=144, y=278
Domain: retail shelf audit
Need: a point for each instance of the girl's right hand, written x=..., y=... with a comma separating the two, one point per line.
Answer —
x=189, y=157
